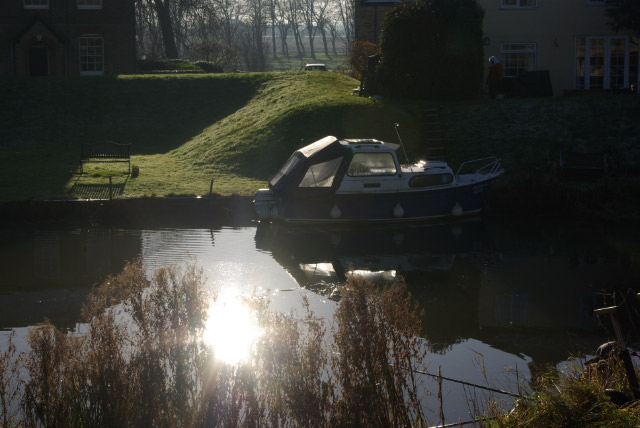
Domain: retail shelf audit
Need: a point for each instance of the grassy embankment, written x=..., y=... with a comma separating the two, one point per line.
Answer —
x=237, y=129
x=185, y=130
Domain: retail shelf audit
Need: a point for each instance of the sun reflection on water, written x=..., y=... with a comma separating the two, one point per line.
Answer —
x=232, y=327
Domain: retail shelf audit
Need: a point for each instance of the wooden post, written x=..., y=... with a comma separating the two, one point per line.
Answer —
x=110, y=189
x=440, y=396
x=622, y=349
x=211, y=187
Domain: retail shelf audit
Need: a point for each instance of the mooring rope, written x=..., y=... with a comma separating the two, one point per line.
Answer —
x=499, y=391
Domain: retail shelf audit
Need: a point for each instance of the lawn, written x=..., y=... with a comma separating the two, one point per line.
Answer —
x=280, y=63
x=237, y=129
x=234, y=129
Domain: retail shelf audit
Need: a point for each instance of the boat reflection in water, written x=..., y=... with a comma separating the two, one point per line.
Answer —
x=523, y=293
x=321, y=258
x=441, y=264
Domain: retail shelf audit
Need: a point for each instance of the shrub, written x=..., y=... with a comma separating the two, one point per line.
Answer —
x=135, y=171
x=359, y=58
x=576, y=397
x=432, y=49
x=208, y=67
x=167, y=66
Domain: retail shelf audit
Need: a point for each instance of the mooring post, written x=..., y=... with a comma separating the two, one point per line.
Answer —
x=440, y=396
x=612, y=311
x=110, y=189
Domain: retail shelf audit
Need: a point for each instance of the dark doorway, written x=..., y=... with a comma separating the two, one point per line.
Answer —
x=38, y=61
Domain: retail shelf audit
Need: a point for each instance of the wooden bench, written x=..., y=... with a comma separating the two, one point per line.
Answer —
x=106, y=151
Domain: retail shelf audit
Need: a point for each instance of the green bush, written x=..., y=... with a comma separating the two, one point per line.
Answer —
x=208, y=66
x=167, y=66
x=432, y=49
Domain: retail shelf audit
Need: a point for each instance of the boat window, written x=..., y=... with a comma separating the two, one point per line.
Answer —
x=321, y=174
x=366, y=164
x=288, y=166
x=431, y=180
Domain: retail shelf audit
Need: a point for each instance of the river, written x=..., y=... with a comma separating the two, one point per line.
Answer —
x=495, y=299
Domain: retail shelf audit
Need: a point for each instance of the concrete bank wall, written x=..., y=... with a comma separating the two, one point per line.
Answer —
x=147, y=212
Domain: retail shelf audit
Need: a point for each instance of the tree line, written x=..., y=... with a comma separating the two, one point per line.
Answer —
x=242, y=33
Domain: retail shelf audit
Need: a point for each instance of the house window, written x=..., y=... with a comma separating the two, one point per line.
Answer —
x=519, y=3
x=517, y=58
x=634, y=72
x=580, y=62
x=596, y=63
x=91, y=55
x=36, y=4
x=606, y=62
x=616, y=63
x=89, y=4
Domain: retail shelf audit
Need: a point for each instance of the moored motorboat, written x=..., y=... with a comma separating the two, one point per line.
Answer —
x=351, y=180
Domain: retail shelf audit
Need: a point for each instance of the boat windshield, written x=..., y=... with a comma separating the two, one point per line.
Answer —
x=367, y=164
x=321, y=174
x=288, y=166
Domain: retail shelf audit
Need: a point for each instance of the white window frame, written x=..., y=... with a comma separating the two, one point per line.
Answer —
x=89, y=6
x=607, y=61
x=533, y=51
x=517, y=5
x=36, y=6
x=90, y=36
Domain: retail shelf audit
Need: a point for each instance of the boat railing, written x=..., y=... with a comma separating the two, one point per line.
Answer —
x=486, y=166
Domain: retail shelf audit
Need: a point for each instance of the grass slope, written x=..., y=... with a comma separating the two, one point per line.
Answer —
x=236, y=129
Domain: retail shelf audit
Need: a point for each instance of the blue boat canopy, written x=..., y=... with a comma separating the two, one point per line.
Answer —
x=320, y=161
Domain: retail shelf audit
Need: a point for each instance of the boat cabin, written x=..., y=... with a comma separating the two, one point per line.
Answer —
x=356, y=166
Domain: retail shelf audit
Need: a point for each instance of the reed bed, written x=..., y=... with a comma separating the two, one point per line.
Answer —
x=138, y=360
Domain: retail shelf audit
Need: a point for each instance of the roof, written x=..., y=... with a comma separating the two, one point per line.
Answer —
x=314, y=148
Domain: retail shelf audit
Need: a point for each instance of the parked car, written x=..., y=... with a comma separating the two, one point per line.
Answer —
x=315, y=67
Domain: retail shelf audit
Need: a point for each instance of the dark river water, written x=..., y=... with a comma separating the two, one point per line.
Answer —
x=494, y=299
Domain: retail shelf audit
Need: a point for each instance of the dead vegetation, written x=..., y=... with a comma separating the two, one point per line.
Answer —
x=139, y=360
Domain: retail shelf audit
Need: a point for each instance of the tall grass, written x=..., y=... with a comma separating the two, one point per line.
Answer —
x=140, y=361
x=577, y=397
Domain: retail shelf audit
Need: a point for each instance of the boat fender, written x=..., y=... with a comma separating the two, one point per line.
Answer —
x=456, y=210
x=398, y=211
x=335, y=211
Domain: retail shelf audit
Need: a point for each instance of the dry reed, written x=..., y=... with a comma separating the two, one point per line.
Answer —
x=139, y=361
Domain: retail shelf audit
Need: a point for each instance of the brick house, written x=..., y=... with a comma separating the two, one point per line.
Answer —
x=67, y=37
x=569, y=38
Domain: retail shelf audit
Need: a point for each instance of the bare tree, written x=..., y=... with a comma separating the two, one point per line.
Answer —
x=149, y=41
x=163, y=12
x=252, y=43
x=292, y=8
x=283, y=26
x=346, y=11
x=273, y=4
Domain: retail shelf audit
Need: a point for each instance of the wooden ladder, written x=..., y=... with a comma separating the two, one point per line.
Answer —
x=433, y=134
